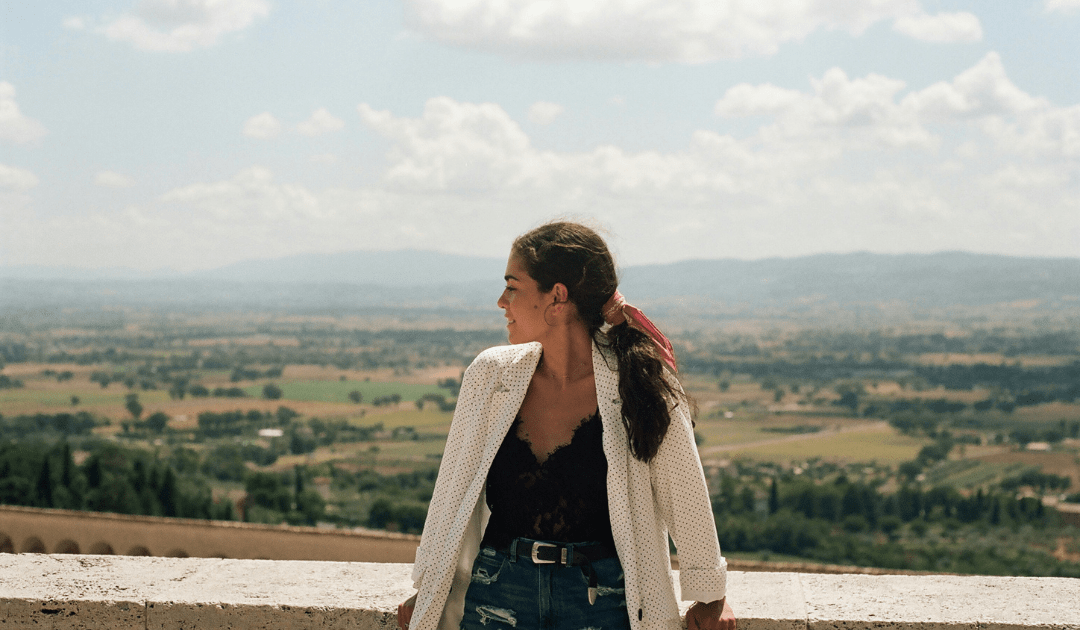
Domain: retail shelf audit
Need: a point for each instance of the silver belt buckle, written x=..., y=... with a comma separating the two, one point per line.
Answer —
x=536, y=548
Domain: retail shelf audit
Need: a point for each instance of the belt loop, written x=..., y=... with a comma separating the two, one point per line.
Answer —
x=569, y=555
x=513, y=550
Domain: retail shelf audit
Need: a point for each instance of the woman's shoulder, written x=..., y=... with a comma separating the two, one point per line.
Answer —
x=504, y=356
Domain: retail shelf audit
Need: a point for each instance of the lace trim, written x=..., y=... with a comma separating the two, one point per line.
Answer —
x=516, y=430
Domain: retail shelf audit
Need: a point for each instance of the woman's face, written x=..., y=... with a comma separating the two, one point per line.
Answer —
x=524, y=304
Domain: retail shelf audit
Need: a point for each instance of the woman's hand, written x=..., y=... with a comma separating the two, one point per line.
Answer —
x=404, y=613
x=712, y=616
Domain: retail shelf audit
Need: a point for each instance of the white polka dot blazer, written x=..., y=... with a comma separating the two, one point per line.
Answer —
x=647, y=502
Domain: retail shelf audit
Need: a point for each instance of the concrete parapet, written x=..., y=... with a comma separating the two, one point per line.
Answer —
x=121, y=593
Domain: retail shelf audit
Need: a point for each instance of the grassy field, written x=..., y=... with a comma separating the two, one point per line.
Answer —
x=970, y=473
x=432, y=421
x=338, y=391
x=877, y=443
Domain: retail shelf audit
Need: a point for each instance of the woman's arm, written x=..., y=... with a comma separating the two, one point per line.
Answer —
x=682, y=497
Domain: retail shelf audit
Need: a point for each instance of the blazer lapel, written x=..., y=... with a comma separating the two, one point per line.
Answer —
x=507, y=397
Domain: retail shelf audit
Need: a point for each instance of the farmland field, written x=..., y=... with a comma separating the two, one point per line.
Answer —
x=871, y=443
x=338, y=391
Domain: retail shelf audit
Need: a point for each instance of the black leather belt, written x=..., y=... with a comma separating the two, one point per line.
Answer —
x=568, y=555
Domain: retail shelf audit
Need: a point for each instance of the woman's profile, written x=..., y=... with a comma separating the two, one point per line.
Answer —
x=570, y=460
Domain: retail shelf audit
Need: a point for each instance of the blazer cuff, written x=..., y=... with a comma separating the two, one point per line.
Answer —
x=417, y=571
x=703, y=585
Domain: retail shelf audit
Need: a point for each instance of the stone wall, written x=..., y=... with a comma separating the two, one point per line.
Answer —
x=121, y=593
x=64, y=531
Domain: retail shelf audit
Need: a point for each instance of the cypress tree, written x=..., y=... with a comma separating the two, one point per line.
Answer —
x=44, y=484
x=167, y=494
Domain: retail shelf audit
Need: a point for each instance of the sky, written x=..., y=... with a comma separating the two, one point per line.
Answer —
x=190, y=134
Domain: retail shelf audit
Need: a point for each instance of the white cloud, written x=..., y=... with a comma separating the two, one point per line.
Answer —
x=853, y=111
x=544, y=113
x=14, y=126
x=1062, y=5
x=16, y=179
x=982, y=90
x=943, y=27
x=251, y=195
x=321, y=121
x=262, y=126
x=111, y=179
x=74, y=23
x=453, y=145
x=690, y=31
x=324, y=158
x=183, y=25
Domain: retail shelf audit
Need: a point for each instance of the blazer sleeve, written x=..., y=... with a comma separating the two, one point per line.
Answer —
x=683, y=500
x=463, y=446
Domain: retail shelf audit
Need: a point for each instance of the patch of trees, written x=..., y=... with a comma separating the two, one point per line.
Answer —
x=389, y=399
x=46, y=426
x=878, y=343
x=276, y=497
x=452, y=384
x=436, y=399
x=228, y=462
x=853, y=523
x=1030, y=385
x=244, y=373
x=60, y=377
x=1036, y=479
x=111, y=479
x=1024, y=386
x=14, y=352
x=201, y=391
x=6, y=382
x=397, y=502
x=327, y=432
x=814, y=369
x=212, y=424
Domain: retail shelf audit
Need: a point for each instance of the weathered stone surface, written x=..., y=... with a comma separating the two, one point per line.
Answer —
x=767, y=601
x=40, y=591
x=940, y=602
x=763, y=601
x=272, y=594
x=118, y=593
x=77, y=615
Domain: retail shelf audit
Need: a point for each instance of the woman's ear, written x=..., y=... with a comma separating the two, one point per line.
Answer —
x=560, y=292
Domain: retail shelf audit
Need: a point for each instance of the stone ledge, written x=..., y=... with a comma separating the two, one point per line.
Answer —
x=121, y=593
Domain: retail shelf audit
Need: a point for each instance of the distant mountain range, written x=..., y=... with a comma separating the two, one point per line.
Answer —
x=367, y=281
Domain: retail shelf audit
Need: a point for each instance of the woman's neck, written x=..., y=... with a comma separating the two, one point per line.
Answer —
x=567, y=356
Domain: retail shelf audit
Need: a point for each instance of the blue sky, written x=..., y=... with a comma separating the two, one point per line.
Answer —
x=194, y=133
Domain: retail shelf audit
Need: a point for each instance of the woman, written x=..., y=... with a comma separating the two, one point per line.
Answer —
x=570, y=460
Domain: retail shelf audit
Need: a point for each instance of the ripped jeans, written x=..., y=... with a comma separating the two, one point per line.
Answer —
x=518, y=594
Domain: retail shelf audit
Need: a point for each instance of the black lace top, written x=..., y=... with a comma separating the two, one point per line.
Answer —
x=563, y=499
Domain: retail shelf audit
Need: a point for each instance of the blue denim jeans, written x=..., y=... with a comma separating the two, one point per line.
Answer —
x=515, y=593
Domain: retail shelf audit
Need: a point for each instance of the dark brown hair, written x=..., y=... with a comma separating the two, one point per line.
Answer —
x=577, y=257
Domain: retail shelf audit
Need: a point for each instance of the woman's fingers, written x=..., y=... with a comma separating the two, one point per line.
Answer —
x=404, y=613
x=727, y=617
